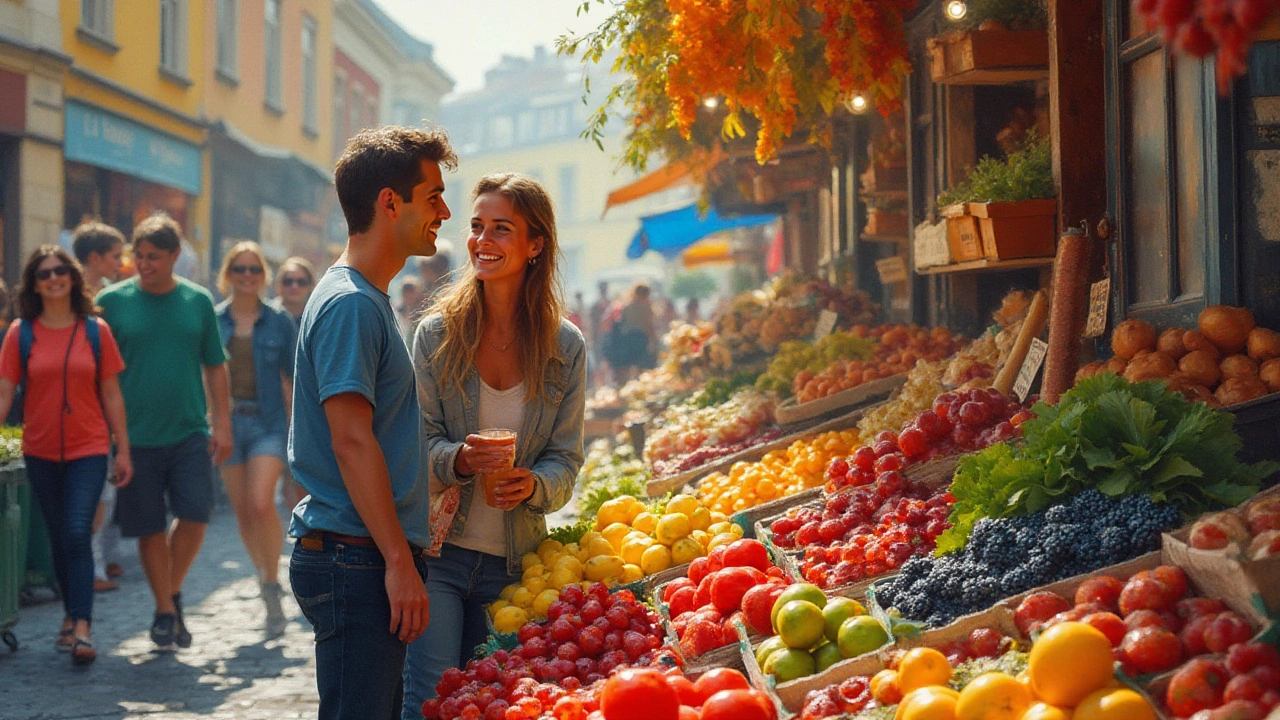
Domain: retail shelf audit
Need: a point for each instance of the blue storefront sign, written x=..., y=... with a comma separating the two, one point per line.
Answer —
x=97, y=137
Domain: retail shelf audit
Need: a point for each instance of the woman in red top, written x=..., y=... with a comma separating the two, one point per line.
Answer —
x=72, y=396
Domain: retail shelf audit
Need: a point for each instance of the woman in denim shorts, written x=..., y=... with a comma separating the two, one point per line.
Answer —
x=259, y=339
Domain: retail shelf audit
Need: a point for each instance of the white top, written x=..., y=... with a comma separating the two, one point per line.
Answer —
x=486, y=530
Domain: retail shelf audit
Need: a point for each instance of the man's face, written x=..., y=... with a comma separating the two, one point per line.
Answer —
x=155, y=266
x=422, y=213
x=107, y=264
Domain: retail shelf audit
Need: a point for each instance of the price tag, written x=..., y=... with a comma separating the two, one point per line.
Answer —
x=826, y=324
x=1099, y=302
x=892, y=270
x=1030, y=368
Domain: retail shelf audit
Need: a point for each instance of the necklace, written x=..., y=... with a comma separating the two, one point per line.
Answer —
x=503, y=347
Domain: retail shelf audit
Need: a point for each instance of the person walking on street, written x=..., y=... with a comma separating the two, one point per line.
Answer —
x=168, y=334
x=69, y=363
x=358, y=568
x=260, y=340
x=633, y=340
x=100, y=250
x=497, y=353
x=294, y=282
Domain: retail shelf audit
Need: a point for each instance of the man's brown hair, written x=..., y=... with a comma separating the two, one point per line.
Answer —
x=385, y=157
x=160, y=230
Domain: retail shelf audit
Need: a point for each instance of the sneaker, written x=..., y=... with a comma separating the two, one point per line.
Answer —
x=180, y=634
x=276, y=621
x=162, y=631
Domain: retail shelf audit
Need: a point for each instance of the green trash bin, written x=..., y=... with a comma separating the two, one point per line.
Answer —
x=13, y=548
x=39, y=571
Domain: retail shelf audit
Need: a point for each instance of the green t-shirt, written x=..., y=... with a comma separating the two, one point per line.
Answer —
x=166, y=340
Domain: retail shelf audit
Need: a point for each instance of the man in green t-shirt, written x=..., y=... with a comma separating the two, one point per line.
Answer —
x=168, y=334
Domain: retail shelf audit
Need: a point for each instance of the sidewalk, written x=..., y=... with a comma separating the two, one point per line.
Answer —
x=229, y=672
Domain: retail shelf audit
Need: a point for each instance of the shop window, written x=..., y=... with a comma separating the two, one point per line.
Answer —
x=272, y=39
x=173, y=37
x=97, y=17
x=310, y=104
x=228, y=39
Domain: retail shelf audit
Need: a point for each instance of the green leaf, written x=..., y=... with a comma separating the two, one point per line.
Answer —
x=1116, y=484
x=1172, y=468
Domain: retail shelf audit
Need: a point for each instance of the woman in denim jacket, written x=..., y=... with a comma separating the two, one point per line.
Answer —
x=259, y=339
x=494, y=351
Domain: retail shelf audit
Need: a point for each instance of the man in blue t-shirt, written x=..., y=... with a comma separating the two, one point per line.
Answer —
x=358, y=567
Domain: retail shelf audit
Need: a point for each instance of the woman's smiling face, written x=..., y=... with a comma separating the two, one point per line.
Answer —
x=499, y=242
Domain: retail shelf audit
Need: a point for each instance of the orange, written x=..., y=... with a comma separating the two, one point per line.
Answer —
x=885, y=688
x=993, y=696
x=1069, y=661
x=1043, y=711
x=930, y=703
x=922, y=667
x=1114, y=704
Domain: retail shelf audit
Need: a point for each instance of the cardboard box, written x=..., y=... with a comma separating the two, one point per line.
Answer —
x=964, y=239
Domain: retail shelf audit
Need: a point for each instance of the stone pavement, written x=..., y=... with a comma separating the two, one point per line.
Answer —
x=230, y=671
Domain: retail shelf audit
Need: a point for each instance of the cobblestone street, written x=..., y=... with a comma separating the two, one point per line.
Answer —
x=229, y=672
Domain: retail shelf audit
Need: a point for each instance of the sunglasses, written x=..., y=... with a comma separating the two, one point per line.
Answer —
x=295, y=282
x=250, y=269
x=59, y=270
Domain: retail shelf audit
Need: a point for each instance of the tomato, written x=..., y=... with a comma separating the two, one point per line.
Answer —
x=685, y=689
x=713, y=681
x=1198, y=685
x=639, y=694
x=738, y=705
x=1152, y=649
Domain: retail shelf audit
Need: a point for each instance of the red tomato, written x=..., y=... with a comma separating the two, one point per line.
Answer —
x=738, y=705
x=639, y=694
x=747, y=553
x=713, y=681
x=1198, y=685
x=685, y=689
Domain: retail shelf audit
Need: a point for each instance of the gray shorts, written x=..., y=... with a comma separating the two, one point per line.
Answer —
x=251, y=437
x=175, y=478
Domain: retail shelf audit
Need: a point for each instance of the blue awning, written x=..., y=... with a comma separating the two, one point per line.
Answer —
x=670, y=232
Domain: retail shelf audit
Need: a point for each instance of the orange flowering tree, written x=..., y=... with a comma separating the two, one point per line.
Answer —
x=773, y=67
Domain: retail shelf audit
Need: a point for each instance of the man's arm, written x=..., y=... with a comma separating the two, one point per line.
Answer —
x=218, y=381
x=364, y=473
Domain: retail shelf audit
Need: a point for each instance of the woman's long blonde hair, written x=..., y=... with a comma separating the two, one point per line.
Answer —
x=461, y=303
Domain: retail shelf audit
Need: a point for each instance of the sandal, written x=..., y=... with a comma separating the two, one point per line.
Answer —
x=66, y=637
x=82, y=652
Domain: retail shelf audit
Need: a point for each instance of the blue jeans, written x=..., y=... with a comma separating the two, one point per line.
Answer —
x=342, y=591
x=68, y=494
x=461, y=582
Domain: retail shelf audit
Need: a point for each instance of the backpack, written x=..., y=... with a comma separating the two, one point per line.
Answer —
x=27, y=338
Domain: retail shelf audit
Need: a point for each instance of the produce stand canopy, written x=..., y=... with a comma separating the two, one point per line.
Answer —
x=671, y=232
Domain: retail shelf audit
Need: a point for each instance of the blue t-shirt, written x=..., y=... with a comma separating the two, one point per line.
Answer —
x=348, y=341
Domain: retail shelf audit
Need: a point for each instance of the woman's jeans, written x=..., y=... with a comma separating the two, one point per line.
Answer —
x=68, y=494
x=460, y=583
x=342, y=590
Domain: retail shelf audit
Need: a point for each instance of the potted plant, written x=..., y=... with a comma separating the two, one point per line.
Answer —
x=997, y=41
x=1013, y=202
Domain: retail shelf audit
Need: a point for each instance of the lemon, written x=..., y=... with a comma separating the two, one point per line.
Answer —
x=534, y=571
x=645, y=522
x=685, y=550
x=700, y=518
x=655, y=559
x=673, y=527
x=543, y=601
x=701, y=536
x=603, y=567
x=508, y=591
x=599, y=546
x=614, y=534
x=497, y=605
x=509, y=619
x=570, y=563
x=562, y=578
x=683, y=504
x=723, y=538
x=720, y=527
x=548, y=546
x=718, y=517
x=522, y=598
x=535, y=585
x=634, y=508
x=735, y=530
x=612, y=511
x=587, y=537
x=633, y=549
x=529, y=560
x=631, y=573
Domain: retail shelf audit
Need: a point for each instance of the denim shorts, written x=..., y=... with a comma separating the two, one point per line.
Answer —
x=178, y=475
x=251, y=437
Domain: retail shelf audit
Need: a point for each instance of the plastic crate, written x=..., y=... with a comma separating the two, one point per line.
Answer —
x=13, y=548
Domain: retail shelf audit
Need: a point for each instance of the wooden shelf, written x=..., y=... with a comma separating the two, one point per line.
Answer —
x=883, y=238
x=995, y=76
x=987, y=266
x=884, y=194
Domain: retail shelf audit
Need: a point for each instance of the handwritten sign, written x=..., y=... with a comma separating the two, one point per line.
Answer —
x=1099, y=301
x=826, y=324
x=892, y=270
x=1030, y=368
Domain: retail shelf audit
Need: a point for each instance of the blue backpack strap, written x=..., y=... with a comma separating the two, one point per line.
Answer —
x=94, y=332
x=26, y=338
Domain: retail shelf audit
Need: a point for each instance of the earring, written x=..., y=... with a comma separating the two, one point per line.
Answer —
x=533, y=260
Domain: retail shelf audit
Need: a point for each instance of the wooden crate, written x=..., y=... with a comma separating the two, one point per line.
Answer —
x=1011, y=230
x=964, y=239
x=886, y=222
x=989, y=57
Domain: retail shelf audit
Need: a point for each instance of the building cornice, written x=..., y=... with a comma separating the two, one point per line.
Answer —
x=135, y=96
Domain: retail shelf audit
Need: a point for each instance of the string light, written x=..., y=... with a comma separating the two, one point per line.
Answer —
x=956, y=10
x=857, y=104
x=710, y=103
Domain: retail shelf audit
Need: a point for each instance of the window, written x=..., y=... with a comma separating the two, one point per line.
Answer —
x=98, y=18
x=275, y=80
x=355, y=123
x=310, y=104
x=173, y=37
x=568, y=193
x=228, y=41
x=340, y=131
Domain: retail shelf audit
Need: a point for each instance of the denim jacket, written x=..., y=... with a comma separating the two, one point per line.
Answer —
x=274, y=338
x=549, y=442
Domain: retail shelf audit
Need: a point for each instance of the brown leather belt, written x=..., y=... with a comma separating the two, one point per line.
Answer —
x=316, y=539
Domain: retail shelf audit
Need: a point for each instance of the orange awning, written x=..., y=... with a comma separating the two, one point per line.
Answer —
x=667, y=176
x=708, y=251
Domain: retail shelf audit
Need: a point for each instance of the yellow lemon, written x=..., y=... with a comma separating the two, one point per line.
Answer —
x=633, y=549
x=720, y=527
x=718, y=517
x=543, y=601
x=612, y=511
x=631, y=573
x=1069, y=661
x=683, y=504
x=508, y=591
x=587, y=537
x=700, y=518
x=509, y=619
x=685, y=550
x=522, y=598
x=723, y=538
x=633, y=508
x=735, y=530
x=673, y=527
x=614, y=534
x=534, y=571
x=529, y=560
x=562, y=578
x=701, y=536
x=599, y=546
x=603, y=567
x=1114, y=704
x=535, y=585
x=635, y=535
x=548, y=546
x=655, y=559
x=497, y=605
x=570, y=563
x=645, y=522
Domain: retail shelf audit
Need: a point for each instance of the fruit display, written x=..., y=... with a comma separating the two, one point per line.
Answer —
x=1115, y=436
x=610, y=470
x=686, y=436
x=1226, y=360
x=897, y=350
x=812, y=632
x=797, y=357
x=1244, y=684
x=1007, y=556
x=1252, y=533
x=924, y=383
x=780, y=473
x=864, y=532
x=647, y=694
x=10, y=444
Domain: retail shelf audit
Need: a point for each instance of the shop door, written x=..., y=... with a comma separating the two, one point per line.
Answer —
x=1258, y=160
x=1162, y=185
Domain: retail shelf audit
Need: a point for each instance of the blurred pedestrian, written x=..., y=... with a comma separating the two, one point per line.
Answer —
x=434, y=272
x=14, y=416
x=168, y=334
x=693, y=311
x=409, y=307
x=497, y=354
x=69, y=362
x=358, y=568
x=294, y=283
x=633, y=340
x=100, y=249
x=260, y=340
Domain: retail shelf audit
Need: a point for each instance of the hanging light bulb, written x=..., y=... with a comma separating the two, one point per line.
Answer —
x=857, y=104
x=956, y=10
x=710, y=103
